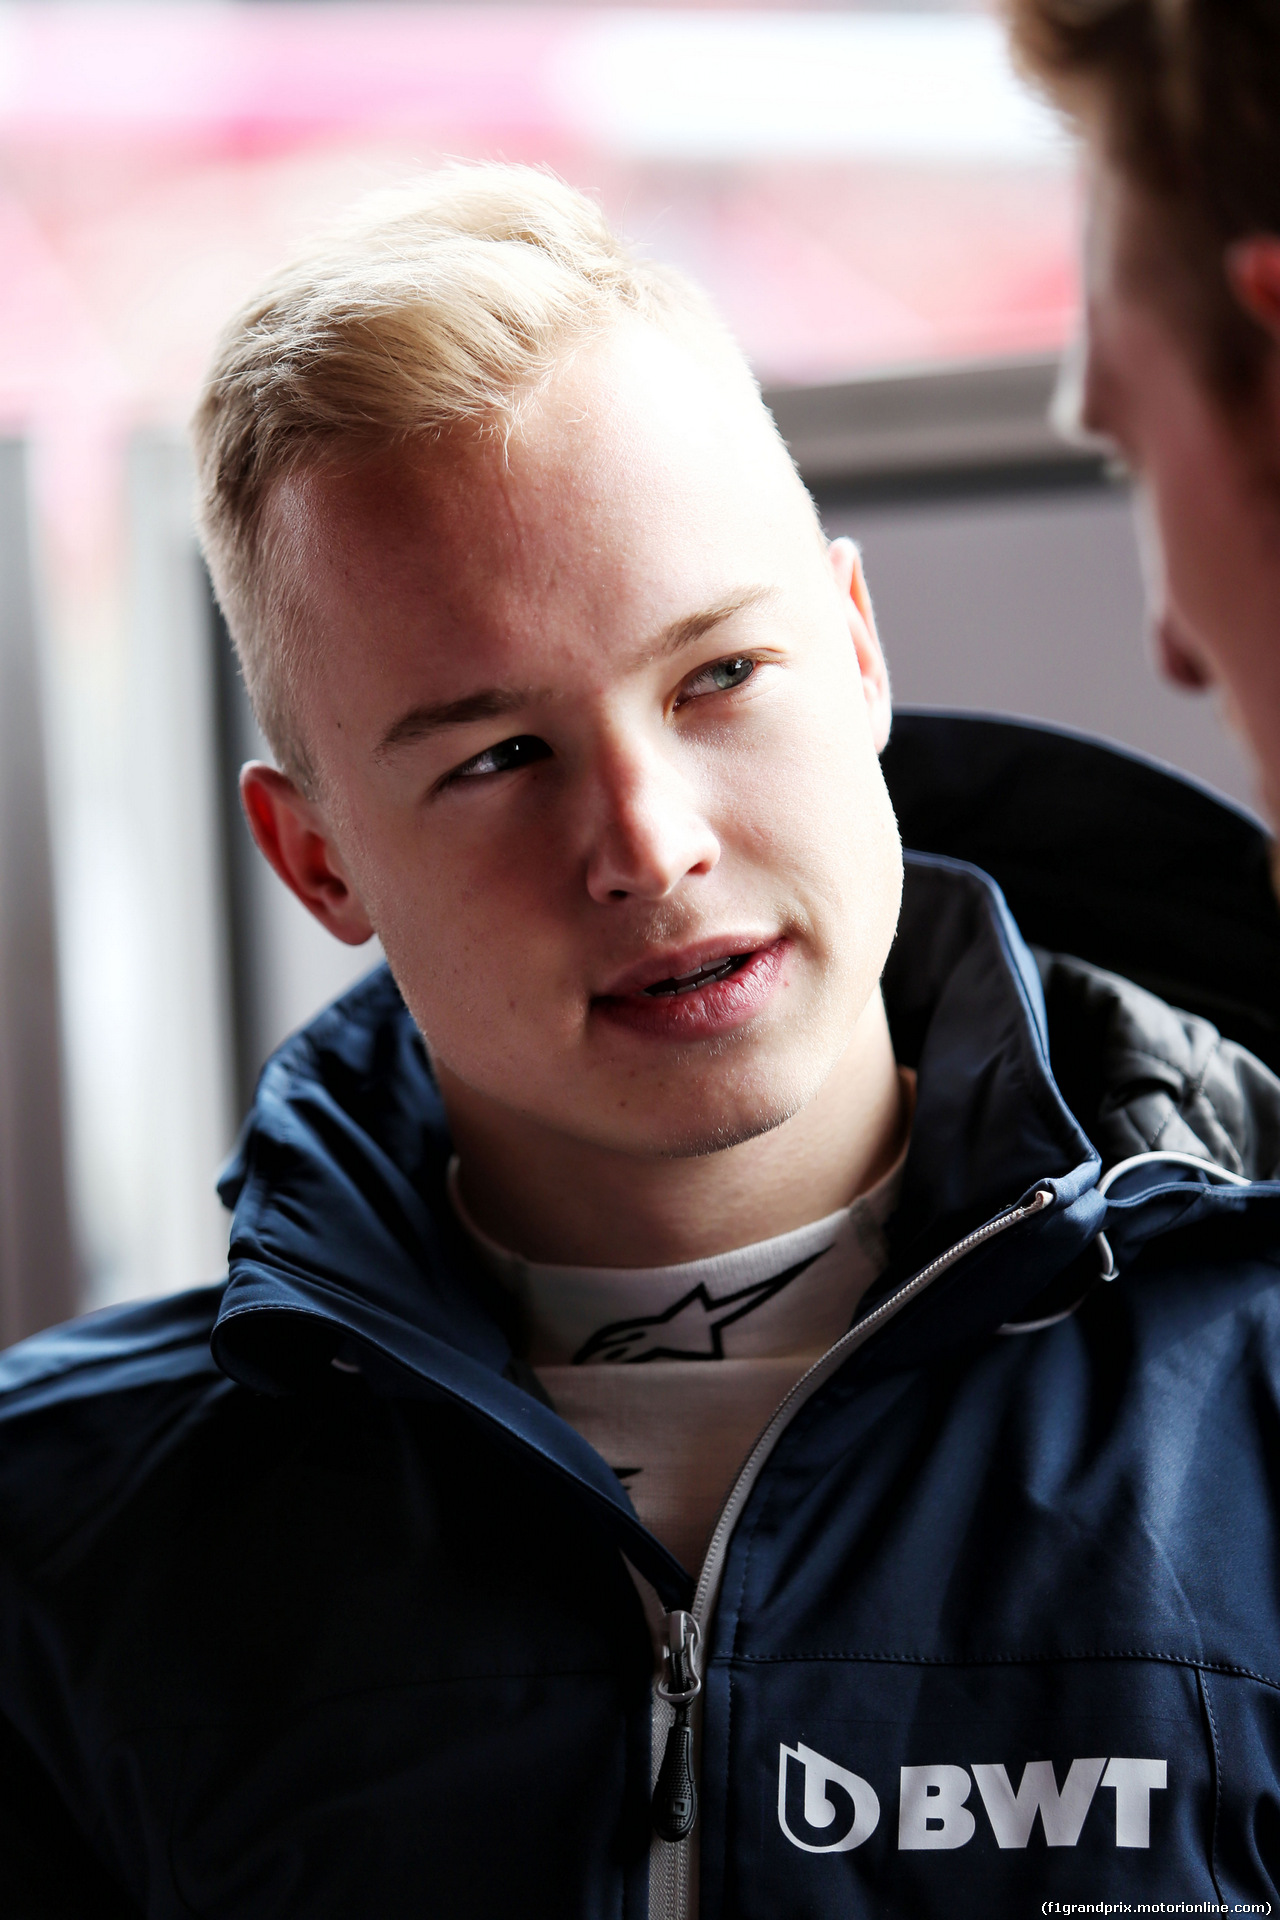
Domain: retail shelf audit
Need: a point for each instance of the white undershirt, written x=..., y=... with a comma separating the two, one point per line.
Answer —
x=672, y=1373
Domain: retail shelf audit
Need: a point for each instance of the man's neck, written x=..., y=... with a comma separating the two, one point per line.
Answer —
x=554, y=1198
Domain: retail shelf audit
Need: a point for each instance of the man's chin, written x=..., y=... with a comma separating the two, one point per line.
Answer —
x=696, y=1137
x=729, y=1103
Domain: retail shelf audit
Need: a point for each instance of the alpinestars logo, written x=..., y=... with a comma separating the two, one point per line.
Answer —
x=690, y=1329
x=826, y=1808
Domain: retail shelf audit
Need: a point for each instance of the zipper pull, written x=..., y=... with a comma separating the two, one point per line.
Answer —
x=675, y=1797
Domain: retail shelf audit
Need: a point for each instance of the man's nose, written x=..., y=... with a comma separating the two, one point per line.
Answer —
x=1176, y=658
x=648, y=830
x=1078, y=410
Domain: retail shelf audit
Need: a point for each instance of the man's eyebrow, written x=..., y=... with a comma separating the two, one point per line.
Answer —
x=682, y=633
x=490, y=703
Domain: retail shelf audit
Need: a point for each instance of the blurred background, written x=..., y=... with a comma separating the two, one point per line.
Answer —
x=884, y=214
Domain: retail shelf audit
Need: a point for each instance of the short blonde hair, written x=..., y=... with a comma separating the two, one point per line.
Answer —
x=446, y=302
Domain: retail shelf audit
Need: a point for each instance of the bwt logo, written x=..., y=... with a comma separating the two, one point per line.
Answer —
x=823, y=1808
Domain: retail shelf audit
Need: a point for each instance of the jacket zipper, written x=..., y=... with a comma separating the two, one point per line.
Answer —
x=675, y=1793
x=677, y=1691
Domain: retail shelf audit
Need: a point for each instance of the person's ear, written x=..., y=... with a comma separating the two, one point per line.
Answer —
x=851, y=583
x=295, y=839
x=1253, y=269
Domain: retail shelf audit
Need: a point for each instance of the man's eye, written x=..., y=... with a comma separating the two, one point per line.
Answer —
x=720, y=677
x=520, y=751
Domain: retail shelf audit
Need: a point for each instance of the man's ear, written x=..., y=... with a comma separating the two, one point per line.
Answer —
x=1253, y=269
x=294, y=837
x=846, y=565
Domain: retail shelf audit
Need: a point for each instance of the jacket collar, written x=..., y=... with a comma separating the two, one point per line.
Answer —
x=342, y=1233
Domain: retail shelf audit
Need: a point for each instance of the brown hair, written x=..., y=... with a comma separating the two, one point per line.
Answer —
x=1183, y=100
x=447, y=302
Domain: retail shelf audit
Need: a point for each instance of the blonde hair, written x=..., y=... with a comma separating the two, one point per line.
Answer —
x=449, y=301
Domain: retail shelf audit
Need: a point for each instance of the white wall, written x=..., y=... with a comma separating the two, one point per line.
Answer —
x=38, y=1269
x=146, y=1007
x=1031, y=605
x=178, y=1232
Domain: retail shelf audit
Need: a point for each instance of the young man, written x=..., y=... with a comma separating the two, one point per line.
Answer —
x=623, y=1266
x=1179, y=102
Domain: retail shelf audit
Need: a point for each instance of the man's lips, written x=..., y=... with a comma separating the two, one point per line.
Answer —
x=703, y=977
x=680, y=970
x=697, y=993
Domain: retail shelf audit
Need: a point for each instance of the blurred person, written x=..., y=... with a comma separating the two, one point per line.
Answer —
x=1179, y=103
x=668, y=1440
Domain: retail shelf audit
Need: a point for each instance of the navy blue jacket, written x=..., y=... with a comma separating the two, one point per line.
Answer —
x=993, y=1618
